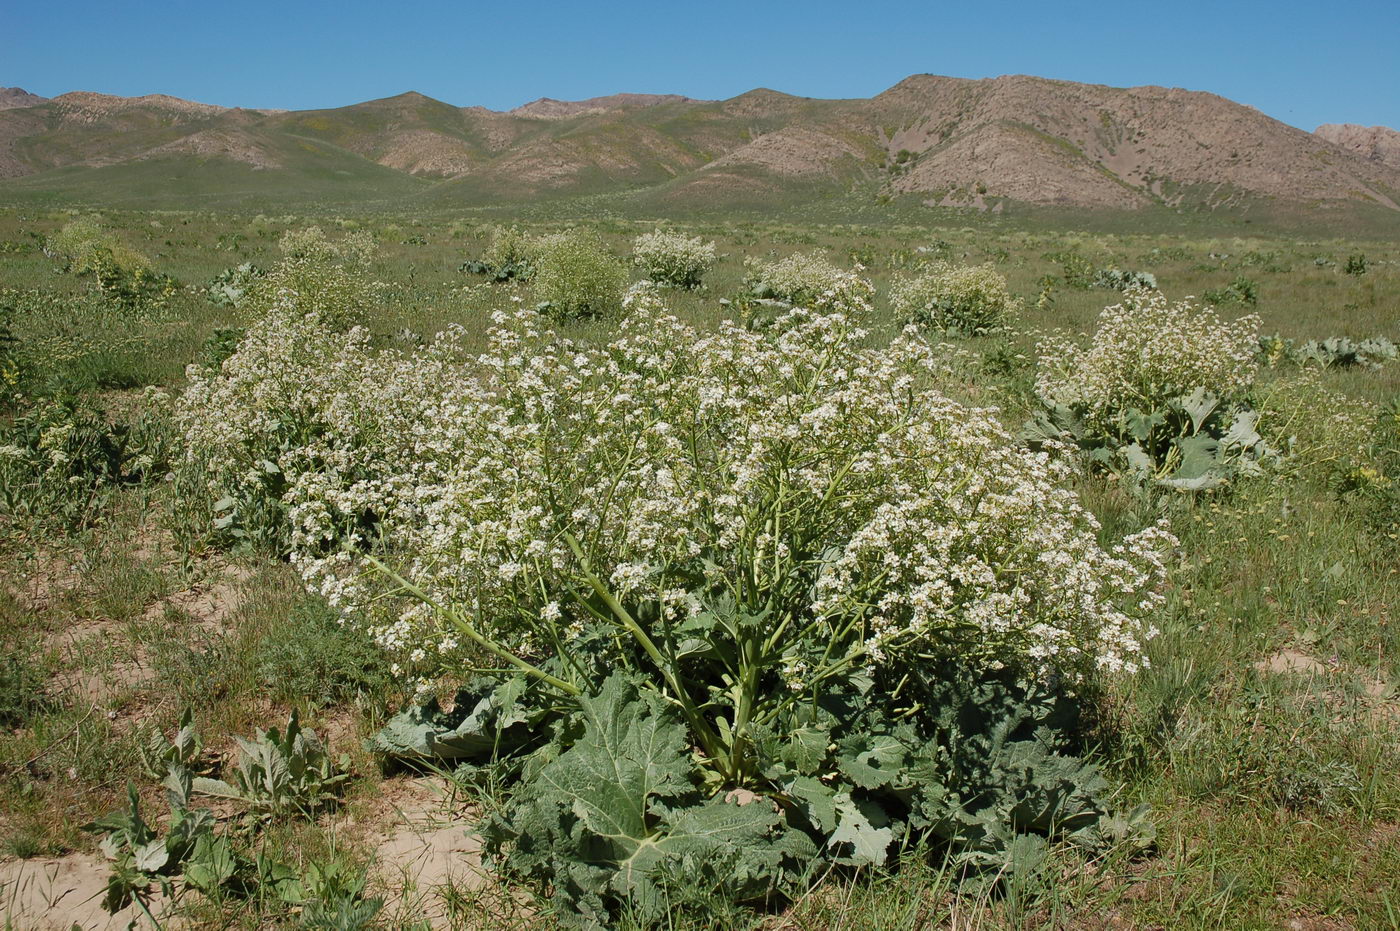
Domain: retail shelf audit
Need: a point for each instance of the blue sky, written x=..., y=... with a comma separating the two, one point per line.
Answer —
x=1304, y=63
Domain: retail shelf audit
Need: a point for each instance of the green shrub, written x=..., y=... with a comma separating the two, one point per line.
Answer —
x=576, y=276
x=1372, y=480
x=11, y=362
x=805, y=279
x=1077, y=271
x=510, y=246
x=122, y=276
x=59, y=456
x=672, y=259
x=1240, y=291
x=1115, y=279
x=1162, y=391
x=956, y=298
x=318, y=276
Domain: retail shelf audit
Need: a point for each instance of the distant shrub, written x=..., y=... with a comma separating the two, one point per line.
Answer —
x=80, y=240
x=1162, y=390
x=122, y=276
x=959, y=298
x=510, y=245
x=1356, y=265
x=1076, y=270
x=320, y=276
x=576, y=276
x=230, y=286
x=1338, y=351
x=805, y=279
x=672, y=259
x=1240, y=291
x=1115, y=279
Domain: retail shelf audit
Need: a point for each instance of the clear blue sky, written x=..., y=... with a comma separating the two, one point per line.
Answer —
x=1304, y=63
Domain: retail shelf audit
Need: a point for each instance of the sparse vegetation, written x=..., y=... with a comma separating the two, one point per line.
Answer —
x=179, y=576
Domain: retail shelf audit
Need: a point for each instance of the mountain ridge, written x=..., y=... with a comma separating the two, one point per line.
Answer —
x=940, y=141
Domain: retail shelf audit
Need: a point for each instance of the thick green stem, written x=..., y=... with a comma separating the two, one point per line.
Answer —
x=708, y=739
x=466, y=627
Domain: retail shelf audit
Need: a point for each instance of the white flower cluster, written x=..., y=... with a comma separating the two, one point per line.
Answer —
x=804, y=277
x=792, y=468
x=964, y=298
x=1147, y=351
x=673, y=259
x=317, y=275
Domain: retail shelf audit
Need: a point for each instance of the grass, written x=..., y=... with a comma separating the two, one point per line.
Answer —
x=1264, y=736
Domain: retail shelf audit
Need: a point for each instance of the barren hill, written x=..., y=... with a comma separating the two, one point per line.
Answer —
x=1376, y=143
x=938, y=140
x=11, y=97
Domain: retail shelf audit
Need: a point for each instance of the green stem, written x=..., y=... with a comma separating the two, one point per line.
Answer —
x=465, y=626
x=708, y=739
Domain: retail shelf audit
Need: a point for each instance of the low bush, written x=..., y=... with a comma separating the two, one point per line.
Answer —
x=672, y=259
x=770, y=566
x=1115, y=279
x=576, y=276
x=805, y=279
x=955, y=298
x=58, y=456
x=1240, y=291
x=318, y=276
x=1162, y=391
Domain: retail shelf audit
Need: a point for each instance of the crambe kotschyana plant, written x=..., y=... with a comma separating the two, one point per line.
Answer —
x=672, y=259
x=1163, y=390
x=332, y=279
x=691, y=568
x=969, y=299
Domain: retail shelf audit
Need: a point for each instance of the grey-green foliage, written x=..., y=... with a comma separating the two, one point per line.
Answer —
x=192, y=853
x=576, y=276
x=620, y=813
x=159, y=755
x=228, y=287
x=1191, y=443
x=1118, y=280
x=142, y=856
x=1339, y=351
x=279, y=774
x=488, y=718
x=612, y=814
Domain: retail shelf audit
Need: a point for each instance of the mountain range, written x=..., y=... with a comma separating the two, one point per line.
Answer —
x=940, y=141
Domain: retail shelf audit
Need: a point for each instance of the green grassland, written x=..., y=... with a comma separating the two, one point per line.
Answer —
x=1265, y=736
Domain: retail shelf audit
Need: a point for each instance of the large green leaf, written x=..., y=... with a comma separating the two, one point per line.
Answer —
x=632, y=756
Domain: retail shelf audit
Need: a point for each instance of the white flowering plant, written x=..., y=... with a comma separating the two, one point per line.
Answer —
x=1163, y=390
x=673, y=259
x=576, y=276
x=60, y=455
x=693, y=565
x=803, y=279
x=331, y=279
x=970, y=299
